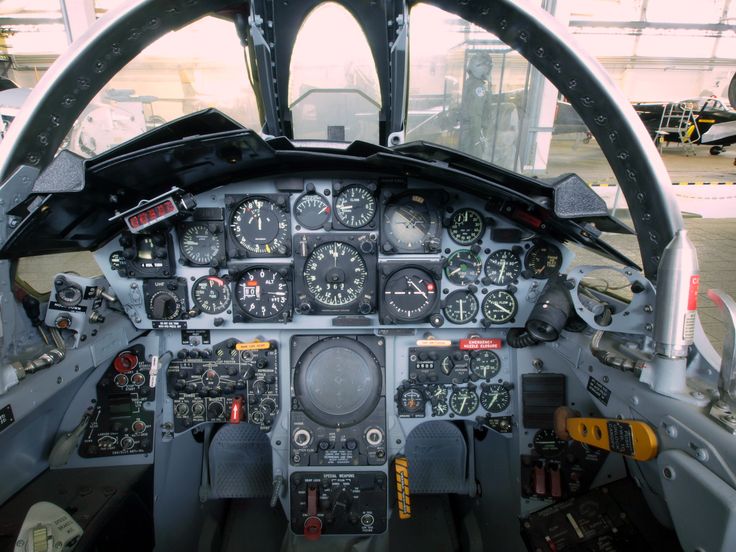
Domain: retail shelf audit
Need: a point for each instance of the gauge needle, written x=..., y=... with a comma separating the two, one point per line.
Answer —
x=462, y=406
x=503, y=269
x=499, y=307
x=323, y=210
x=458, y=269
x=495, y=396
x=417, y=288
x=462, y=316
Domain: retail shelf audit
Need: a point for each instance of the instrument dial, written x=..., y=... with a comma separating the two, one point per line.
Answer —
x=410, y=294
x=260, y=226
x=466, y=226
x=547, y=444
x=355, y=206
x=495, y=398
x=543, y=260
x=335, y=274
x=503, y=267
x=412, y=400
x=411, y=225
x=262, y=292
x=464, y=402
x=312, y=211
x=199, y=244
x=461, y=307
x=463, y=267
x=211, y=294
x=485, y=364
x=499, y=306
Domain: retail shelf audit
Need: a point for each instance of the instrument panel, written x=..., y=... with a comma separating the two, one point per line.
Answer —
x=324, y=253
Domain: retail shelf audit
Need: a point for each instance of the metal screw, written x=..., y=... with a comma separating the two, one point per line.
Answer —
x=606, y=379
x=671, y=431
x=668, y=473
x=648, y=308
x=635, y=400
x=701, y=454
x=648, y=327
x=697, y=395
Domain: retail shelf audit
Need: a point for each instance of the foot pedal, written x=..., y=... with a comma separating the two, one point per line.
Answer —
x=438, y=456
x=240, y=463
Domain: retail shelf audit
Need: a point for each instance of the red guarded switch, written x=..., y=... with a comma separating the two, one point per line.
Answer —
x=236, y=413
x=555, y=485
x=540, y=479
x=312, y=525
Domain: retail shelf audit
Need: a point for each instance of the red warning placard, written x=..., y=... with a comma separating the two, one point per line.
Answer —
x=692, y=297
x=478, y=343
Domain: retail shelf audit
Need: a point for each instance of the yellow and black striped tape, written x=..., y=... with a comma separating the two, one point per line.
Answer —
x=403, y=496
x=611, y=185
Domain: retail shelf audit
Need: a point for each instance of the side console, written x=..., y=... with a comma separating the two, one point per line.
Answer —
x=232, y=381
x=338, y=403
x=120, y=423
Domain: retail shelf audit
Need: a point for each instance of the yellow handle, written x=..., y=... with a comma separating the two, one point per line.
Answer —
x=631, y=438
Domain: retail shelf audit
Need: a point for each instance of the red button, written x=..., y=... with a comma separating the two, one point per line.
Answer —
x=125, y=362
x=139, y=426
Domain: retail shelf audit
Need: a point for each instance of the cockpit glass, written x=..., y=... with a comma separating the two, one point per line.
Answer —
x=333, y=91
x=199, y=66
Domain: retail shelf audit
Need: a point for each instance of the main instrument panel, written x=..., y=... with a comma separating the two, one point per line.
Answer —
x=336, y=315
x=332, y=253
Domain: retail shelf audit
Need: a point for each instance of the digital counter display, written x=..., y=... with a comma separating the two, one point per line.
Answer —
x=152, y=215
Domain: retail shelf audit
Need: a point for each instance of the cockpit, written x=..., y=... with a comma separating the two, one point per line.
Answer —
x=368, y=304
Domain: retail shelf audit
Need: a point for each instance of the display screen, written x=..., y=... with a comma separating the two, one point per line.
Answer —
x=152, y=215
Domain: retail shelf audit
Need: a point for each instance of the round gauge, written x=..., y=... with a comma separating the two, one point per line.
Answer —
x=262, y=292
x=355, y=206
x=211, y=294
x=260, y=226
x=503, y=267
x=312, y=211
x=461, y=307
x=495, y=398
x=447, y=365
x=466, y=226
x=438, y=393
x=499, y=306
x=485, y=364
x=463, y=267
x=412, y=400
x=547, y=444
x=464, y=402
x=335, y=274
x=199, y=245
x=410, y=294
x=440, y=408
x=543, y=260
x=411, y=224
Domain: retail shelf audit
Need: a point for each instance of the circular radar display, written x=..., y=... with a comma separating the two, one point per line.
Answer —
x=312, y=211
x=464, y=402
x=543, y=260
x=355, y=206
x=410, y=294
x=262, y=293
x=466, y=226
x=499, y=306
x=495, y=398
x=461, y=307
x=485, y=364
x=199, y=244
x=338, y=382
x=260, y=226
x=411, y=224
x=463, y=267
x=503, y=267
x=335, y=274
x=211, y=294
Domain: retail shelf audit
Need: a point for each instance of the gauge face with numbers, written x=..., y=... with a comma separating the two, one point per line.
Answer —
x=485, y=364
x=335, y=274
x=543, y=260
x=503, y=267
x=461, y=307
x=262, y=292
x=199, y=244
x=260, y=226
x=495, y=398
x=466, y=226
x=462, y=267
x=464, y=402
x=355, y=206
x=211, y=294
x=499, y=306
x=312, y=211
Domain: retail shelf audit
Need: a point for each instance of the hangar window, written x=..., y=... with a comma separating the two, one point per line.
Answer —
x=199, y=66
x=333, y=84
